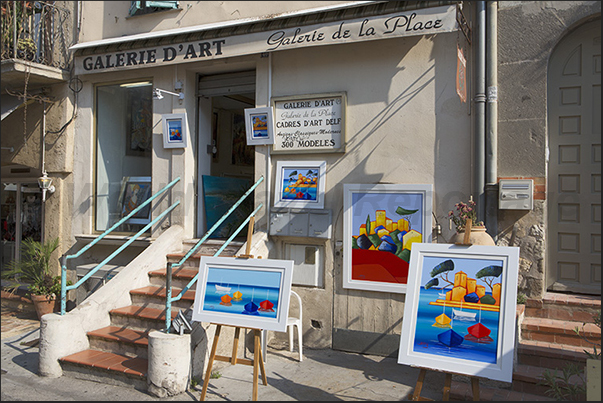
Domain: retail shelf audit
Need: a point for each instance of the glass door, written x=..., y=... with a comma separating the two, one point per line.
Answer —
x=21, y=217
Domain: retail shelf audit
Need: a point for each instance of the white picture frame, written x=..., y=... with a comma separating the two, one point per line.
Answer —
x=457, y=340
x=259, y=126
x=300, y=184
x=371, y=260
x=250, y=293
x=175, y=130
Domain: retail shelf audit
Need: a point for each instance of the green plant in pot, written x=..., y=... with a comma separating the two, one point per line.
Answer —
x=34, y=271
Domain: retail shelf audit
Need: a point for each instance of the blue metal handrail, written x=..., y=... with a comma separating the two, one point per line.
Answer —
x=169, y=299
x=65, y=287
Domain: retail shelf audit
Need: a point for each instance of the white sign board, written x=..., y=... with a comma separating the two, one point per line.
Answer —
x=309, y=123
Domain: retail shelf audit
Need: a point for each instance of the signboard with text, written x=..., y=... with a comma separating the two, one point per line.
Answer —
x=426, y=21
x=309, y=123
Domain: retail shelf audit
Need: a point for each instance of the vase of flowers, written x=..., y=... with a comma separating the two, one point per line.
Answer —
x=465, y=215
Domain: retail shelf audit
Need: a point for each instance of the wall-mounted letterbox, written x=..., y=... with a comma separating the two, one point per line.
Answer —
x=301, y=223
x=516, y=194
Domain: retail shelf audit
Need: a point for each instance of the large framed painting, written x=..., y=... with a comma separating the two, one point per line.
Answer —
x=459, y=314
x=250, y=293
x=300, y=184
x=135, y=190
x=259, y=126
x=381, y=223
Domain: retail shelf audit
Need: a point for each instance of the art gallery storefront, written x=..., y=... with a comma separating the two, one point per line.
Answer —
x=361, y=100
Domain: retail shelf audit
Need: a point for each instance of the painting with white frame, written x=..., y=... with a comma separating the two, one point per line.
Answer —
x=459, y=313
x=175, y=130
x=381, y=224
x=250, y=293
x=259, y=126
x=300, y=184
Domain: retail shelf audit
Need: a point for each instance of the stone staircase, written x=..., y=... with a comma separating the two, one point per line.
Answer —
x=118, y=354
x=546, y=340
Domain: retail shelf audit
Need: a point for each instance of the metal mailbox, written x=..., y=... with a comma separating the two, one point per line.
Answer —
x=516, y=194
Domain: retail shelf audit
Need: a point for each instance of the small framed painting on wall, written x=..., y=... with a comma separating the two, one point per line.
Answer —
x=175, y=130
x=300, y=184
x=259, y=126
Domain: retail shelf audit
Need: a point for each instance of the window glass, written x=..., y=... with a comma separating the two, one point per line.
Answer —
x=124, y=114
x=146, y=7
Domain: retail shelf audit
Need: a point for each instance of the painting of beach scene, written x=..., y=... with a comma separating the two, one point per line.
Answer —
x=300, y=184
x=244, y=292
x=220, y=193
x=259, y=126
x=381, y=223
x=462, y=308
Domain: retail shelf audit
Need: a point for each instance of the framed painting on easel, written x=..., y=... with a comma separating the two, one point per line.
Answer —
x=252, y=293
x=459, y=314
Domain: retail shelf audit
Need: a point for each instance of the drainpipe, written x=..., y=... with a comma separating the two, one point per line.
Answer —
x=491, y=220
x=480, y=113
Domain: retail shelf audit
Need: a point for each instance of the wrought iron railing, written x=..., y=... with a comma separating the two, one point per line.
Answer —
x=37, y=31
x=170, y=266
x=65, y=287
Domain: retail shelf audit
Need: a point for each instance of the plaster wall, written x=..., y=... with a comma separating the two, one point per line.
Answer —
x=103, y=19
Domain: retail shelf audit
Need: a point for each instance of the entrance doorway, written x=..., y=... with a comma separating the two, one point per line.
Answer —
x=21, y=213
x=574, y=177
x=225, y=162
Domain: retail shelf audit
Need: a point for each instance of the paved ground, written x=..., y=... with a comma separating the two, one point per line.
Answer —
x=322, y=375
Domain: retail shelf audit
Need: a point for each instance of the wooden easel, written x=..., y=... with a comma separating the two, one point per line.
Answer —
x=257, y=362
x=446, y=391
x=448, y=380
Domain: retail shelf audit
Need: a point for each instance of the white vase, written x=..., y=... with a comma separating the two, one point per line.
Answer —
x=478, y=236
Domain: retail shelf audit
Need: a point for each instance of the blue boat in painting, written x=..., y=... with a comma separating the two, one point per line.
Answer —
x=250, y=309
x=450, y=338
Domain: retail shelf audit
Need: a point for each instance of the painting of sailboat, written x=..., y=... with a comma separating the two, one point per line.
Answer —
x=460, y=311
x=244, y=292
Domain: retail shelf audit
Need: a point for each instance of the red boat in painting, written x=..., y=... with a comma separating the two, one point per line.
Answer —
x=478, y=330
x=266, y=306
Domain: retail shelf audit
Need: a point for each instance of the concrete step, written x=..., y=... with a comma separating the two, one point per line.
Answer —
x=154, y=296
x=140, y=318
x=568, y=307
x=181, y=276
x=120, y=340
x=106, y=367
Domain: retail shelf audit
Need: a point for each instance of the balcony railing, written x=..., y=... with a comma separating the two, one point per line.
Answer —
x=37, y=31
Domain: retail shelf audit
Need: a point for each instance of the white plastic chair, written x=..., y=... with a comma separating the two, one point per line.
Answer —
x=292, y=321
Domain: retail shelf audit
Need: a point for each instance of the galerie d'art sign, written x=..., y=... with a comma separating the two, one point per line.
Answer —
x=309, y=123
x=426, y=21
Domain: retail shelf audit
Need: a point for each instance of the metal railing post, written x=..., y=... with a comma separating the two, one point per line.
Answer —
x=168, y=297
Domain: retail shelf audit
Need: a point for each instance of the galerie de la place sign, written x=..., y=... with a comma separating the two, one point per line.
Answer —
x=417, y=22
x=311, y=123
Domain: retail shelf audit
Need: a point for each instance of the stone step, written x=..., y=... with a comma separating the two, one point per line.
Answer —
x=120, y=340
x=107, y=367
x=181, y=276
x=139, y=317
x=559, y=332
x=154, y=296
x=568, y=307
x=549, y=355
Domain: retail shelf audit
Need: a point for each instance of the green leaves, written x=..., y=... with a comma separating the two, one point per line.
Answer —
x=446, y=265
x=403, y=211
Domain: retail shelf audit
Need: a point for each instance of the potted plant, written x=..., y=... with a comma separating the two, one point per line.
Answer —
x=33, y=270
x=466, y=214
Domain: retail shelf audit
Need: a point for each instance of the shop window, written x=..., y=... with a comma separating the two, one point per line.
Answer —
x=147, y=7
x=124, y=126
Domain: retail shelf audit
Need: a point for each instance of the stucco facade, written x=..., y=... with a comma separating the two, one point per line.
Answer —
x=404, y=124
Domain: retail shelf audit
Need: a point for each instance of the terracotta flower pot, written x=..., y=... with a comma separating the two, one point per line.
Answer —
x=43, y=305
x=478, y=236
